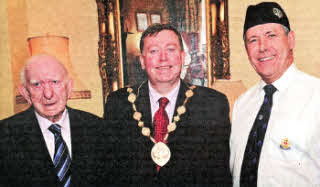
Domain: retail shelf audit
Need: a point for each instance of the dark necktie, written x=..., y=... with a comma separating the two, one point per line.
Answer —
x=250, y=163
x=161, y=120
x=61, y=157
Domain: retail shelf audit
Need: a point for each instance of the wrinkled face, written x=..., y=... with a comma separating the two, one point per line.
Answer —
x=47, y=87
x=269, y=50
x=162, y=58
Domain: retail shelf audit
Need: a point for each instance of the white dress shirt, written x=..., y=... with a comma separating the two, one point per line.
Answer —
x=48, y=136
x=171, y=96
x=295, y=116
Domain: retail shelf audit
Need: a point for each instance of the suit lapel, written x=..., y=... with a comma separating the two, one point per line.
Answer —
x=77, y=134
x=34, y=144
x=79, y=144
x=181, y=97
x=143, y=104
x=142, y=145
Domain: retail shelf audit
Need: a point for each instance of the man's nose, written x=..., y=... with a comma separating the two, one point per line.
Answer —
x=263, y=45
x=163, y=55
x=47, y=91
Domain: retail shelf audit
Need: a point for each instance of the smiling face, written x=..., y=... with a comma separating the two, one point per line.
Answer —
x=269, y=50
x=162, y=58
x=47, y=86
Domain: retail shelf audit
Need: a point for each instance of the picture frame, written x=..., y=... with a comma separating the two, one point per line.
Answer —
x=141, y=21
x=119, y=52
x=155, y=18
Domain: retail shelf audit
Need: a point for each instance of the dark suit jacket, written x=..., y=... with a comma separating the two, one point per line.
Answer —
x=199, y=146
x=25, y=160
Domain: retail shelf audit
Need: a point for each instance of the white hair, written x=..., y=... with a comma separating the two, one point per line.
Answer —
x=32, y=59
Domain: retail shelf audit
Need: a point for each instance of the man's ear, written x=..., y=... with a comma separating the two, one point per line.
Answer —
x=291, y=38
x=183, y=58
x=25, y=93
x=142, y=62
x=69, y=87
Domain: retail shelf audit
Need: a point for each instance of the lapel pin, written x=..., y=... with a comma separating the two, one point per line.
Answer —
x=285, y=144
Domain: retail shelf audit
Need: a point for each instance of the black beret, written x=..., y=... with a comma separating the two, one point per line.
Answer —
x=265, y=12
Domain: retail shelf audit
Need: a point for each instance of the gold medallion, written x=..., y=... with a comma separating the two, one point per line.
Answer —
x=160, y=154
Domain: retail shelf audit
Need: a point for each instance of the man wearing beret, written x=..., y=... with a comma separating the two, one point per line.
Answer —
x=275, y=126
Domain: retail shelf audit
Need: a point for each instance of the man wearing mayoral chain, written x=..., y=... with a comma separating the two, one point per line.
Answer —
x=276, y=124
x=171, y=133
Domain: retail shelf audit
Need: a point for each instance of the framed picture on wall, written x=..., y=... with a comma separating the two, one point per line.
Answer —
x=155, y=18
x=202, y=24
x=142, y=21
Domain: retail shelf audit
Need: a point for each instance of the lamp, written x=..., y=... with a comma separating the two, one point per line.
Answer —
x=57, y=46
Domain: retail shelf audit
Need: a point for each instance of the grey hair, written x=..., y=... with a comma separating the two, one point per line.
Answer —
x=286, y=30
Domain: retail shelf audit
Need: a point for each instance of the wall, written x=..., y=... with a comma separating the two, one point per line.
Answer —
x=75, y=19
x=304, y=20
x=20, y=19
x=18, y=34
x=6, y=94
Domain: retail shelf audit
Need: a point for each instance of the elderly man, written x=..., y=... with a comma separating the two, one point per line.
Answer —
x=50, y=144
x=275, y=125
x=171, y=133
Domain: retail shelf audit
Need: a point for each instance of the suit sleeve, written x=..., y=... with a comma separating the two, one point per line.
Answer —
x=219, y=142
x=2, y=153
x=5, y=149
x=111, y=107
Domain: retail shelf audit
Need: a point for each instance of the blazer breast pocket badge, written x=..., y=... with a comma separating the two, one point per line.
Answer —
x=285, y=144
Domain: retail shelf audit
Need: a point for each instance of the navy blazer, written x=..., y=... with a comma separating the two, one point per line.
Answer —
x=199, y=146
x=25, y=160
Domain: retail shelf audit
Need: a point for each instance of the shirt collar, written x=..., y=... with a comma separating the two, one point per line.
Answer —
x=45, y=123
x=171, y=96
x=283, y=82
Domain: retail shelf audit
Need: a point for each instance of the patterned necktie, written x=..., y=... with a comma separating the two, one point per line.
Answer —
x=161, y=122
x=61, y=159
x=250, y=163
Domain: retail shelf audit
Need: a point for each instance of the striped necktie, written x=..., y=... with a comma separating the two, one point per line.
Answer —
x=61, y=160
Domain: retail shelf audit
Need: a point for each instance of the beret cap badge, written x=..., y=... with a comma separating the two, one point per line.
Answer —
x=277, y=12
